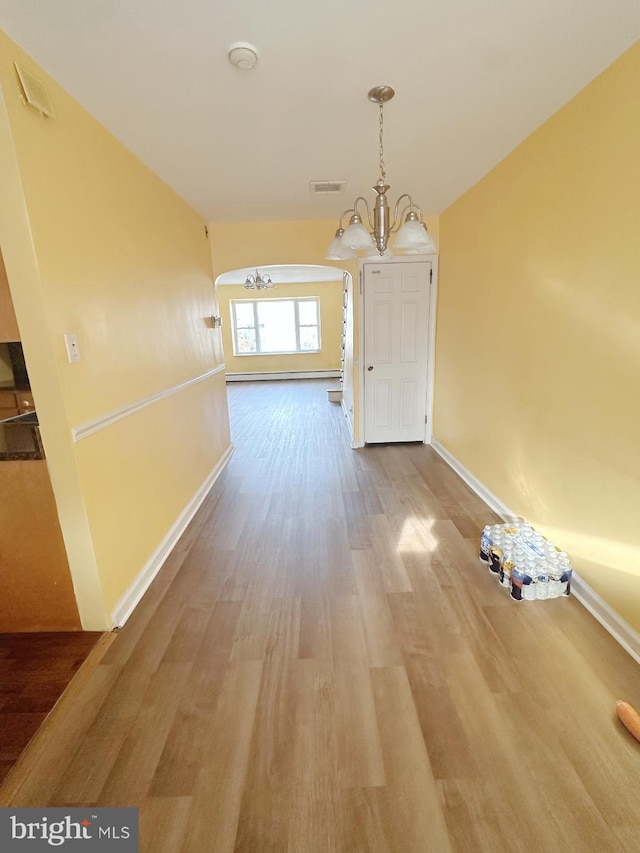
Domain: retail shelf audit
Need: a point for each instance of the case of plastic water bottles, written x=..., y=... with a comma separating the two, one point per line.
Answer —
x=525, y=562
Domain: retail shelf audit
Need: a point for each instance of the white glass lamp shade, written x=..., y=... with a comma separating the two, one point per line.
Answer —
x=356, y=236
x=414, y=237
x=337, y=250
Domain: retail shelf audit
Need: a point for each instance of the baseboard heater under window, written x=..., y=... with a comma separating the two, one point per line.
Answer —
x=287, y=374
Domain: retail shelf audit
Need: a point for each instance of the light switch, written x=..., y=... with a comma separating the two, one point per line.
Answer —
x=73, y=348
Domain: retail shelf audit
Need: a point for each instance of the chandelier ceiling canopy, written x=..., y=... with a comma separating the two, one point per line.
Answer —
x=412, y=235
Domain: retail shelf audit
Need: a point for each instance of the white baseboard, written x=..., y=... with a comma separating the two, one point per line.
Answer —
x=619, y=629
x=472, y=481
x=285, y=374
x=125, y=607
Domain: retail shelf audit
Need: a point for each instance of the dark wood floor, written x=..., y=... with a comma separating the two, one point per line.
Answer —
x=323, y=665
x=34, y=671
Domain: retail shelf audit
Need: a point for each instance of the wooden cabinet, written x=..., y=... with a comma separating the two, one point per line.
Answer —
x=37, y=591
x=15, y=403
x=8, y=404
x=24, y=401
x=18, y=439
x=8, y=323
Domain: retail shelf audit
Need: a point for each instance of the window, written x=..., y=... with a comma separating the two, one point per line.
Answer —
x=267, y=326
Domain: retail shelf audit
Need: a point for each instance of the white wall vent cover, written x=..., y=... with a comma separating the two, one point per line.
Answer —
x=35, y=92
x=327, y=187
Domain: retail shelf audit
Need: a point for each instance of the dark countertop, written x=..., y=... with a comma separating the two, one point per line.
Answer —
x=30, y=418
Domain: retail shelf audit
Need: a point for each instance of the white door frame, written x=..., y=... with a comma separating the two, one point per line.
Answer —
x=431, y=368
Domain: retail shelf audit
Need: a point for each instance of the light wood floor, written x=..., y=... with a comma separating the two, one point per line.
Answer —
x=323, y=665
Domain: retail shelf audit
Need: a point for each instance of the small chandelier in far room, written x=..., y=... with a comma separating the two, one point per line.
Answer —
x=413, y=237
x=259, y=281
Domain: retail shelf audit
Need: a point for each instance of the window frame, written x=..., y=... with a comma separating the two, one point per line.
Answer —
x=256, y=325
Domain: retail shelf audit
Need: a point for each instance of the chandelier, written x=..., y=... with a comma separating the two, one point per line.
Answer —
x=259, y=281
x=412, y=237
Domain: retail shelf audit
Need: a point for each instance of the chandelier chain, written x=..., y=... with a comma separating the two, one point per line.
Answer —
x=406, y=221
x=383, y=174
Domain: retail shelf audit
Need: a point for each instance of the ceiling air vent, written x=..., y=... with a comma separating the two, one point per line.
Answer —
x=35, y=93
x=327, y=187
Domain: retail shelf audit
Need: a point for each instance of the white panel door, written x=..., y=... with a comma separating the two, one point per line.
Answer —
x=396, y=350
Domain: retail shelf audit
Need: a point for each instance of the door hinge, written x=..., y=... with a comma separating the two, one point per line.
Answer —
x=426, y=419
x=431, y=276
x=360, y=280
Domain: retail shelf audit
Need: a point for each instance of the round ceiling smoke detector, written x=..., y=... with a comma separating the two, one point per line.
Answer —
x=243, y=55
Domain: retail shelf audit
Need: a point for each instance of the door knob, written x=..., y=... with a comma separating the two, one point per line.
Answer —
x=370, y=367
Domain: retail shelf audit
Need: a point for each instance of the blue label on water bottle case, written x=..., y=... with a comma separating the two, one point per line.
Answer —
x=485, y=545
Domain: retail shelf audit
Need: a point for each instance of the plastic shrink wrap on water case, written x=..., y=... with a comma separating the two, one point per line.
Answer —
x=525, y=562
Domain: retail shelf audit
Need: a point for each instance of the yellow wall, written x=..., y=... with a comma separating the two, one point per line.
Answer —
x=251, y=244
x=329, y=294
x=538, y=338
x=95, y=244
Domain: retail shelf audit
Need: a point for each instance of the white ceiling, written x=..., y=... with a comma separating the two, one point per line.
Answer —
x=472, y=78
